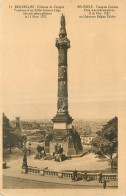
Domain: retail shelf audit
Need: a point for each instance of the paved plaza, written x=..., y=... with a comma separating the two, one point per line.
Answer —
x=88, y=162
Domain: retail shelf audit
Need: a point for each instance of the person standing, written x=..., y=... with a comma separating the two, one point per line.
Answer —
x=74, y=177
x=75, y=173
x=85, y=175
x=104, y=184
x=100, y=177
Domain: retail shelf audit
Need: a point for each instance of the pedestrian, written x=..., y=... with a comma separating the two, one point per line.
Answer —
x=104, y=184
x=74, y=176
x=85, y=175
x=75, y=173
x=100, y=177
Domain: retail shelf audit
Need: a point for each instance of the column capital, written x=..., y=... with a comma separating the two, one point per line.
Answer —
x=62, y=43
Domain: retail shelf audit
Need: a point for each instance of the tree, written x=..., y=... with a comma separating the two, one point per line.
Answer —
x=10, y=139
x=106, y=142
x=6, y=131
x=77, y=141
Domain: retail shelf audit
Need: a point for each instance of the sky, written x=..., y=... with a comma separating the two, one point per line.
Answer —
x=96, y=64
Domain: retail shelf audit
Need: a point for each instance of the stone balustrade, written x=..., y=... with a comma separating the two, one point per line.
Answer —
x=95, y=176
x=33, y=170
x=50, y=173
x=44, y=172
x=80, y=175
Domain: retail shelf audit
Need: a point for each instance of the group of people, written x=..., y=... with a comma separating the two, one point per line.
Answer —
x=85, y=177
x=75, y=176
x=41, y=152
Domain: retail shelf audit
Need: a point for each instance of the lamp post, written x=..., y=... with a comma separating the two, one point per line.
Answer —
x=24, y=164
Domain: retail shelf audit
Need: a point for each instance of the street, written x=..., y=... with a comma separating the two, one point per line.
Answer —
x=18, y=183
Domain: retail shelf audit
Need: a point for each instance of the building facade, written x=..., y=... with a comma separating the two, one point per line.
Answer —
x=86, y=139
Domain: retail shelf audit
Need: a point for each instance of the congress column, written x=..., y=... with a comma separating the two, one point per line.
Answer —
x=62, y=43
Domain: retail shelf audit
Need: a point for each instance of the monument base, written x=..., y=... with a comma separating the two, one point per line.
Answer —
x=66, y=138
x=63, y=135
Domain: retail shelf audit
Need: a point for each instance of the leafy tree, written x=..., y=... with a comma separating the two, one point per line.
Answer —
x=106, y=142
x=6, y=131
x=10, y=139
x=6, y=125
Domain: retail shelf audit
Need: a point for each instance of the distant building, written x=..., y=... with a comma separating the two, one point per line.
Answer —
x=17, y=120
x=86, y=139
x=17, y=129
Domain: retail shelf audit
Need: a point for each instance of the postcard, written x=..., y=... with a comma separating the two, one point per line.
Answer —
x=63, y=97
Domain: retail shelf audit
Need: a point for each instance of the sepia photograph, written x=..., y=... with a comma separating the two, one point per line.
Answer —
x=63, y=97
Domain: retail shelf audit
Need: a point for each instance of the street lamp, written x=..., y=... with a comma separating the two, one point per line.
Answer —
x=24, y=164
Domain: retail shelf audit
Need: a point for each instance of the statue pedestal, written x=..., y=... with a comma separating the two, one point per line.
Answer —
x=62, y=134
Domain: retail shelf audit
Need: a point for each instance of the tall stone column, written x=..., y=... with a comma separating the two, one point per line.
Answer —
x=62, y=44
x=63, y=132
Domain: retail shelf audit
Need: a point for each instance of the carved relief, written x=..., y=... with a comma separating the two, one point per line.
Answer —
x=62, y=104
